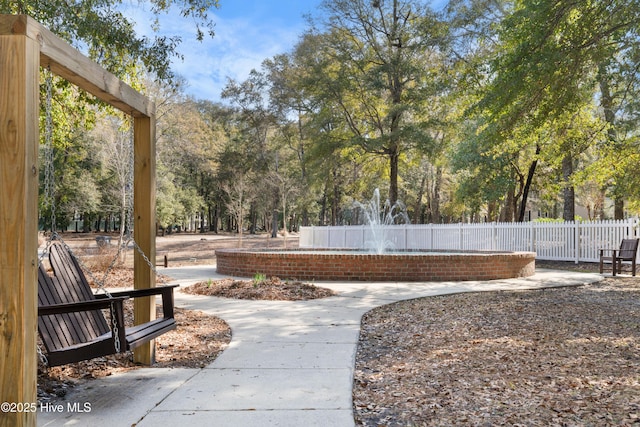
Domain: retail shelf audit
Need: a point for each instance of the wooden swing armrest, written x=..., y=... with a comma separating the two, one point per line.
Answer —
x=165, y=291
x=47, y=310
x=137, y=293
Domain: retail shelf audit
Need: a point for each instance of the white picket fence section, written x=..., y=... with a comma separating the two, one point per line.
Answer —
x=560, y=241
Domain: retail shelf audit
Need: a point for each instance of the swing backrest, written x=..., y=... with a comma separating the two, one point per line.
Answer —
x=68, y=284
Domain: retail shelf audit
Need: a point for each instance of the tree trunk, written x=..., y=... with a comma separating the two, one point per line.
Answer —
x=274, y=223
x=393, y=176
x=435, y=197
x=335, y=202
x=274, y=214
x=568, y=192
x=527, y=185
x=216, y=216
x=418, y=205
x=618, y=208
x=253, y=218
x=508, y=208
x=323, y=208
x=599, y=210
x=284, y=220
x=606, y=102
x=240, y=221
x=492, y=208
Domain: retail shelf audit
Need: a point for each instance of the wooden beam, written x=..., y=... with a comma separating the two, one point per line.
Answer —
x=144, y=215
x=19, y=108
x=73, y=66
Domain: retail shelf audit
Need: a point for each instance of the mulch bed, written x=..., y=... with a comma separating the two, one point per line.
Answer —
x=262, y=289
x=555, y=357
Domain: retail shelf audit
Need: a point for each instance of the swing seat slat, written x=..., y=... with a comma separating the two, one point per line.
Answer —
x=138, y=335
x=71, y=323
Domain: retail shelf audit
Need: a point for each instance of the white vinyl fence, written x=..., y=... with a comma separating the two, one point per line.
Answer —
x=560, y=241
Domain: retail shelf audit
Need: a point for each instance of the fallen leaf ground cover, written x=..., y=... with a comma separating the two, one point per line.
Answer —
x=272, y=288
x=562, y=356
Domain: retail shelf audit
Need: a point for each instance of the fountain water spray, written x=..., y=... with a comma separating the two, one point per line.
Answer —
x=379, y=217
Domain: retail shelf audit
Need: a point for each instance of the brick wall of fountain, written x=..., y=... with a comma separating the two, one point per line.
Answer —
x=354, y=265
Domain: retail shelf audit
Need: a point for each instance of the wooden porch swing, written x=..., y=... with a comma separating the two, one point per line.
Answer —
x=70, y=319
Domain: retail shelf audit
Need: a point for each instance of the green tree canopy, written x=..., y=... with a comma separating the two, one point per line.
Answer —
x=101, y=30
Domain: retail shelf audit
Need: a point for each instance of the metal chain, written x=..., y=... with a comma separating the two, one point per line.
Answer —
x=42, y=356
x=114, y=330
x=49, y=185
x=148, y=261
x=49, y=178
x=130, y=186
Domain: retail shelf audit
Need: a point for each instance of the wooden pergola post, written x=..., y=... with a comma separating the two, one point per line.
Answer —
x=25, y=46
x=144, y=205
x=19, y=89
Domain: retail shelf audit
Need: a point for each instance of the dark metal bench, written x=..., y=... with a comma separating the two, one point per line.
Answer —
x=71, y=323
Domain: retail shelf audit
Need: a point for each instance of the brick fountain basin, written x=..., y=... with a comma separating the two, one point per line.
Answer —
x=329, y=264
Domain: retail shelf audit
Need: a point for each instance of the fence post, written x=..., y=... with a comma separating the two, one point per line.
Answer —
x=431, y=236
x=494, y=235
x=406, y=237
x=461, y=238
x=633, y=223
x=533, y=237
x=577, y=241
x=313, y=237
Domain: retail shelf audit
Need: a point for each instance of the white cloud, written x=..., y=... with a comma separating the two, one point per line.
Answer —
x=239, y=45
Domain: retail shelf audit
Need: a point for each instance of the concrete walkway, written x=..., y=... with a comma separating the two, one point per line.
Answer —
x=288, y=363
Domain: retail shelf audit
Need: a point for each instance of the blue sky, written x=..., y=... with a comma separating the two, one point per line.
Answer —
x=246, y=33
